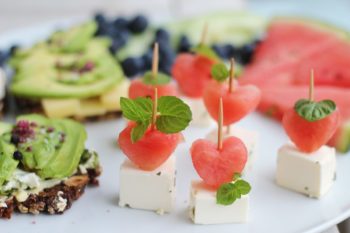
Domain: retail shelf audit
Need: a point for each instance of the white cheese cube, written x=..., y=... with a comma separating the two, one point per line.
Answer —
x=200, y=116
x=309, y=173
x=148, y=190
x=248, y=137
x=204, y=209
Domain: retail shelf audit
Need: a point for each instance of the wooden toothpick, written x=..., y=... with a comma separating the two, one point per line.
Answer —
x=230, y=85
x=232, y=75
x=204, y=34
x=220, y=123
x=311, y=88
x=155, y=60
x=155, y=107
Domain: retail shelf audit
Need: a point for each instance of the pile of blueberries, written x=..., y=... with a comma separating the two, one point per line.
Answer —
x=120, y=29
x=136, y=65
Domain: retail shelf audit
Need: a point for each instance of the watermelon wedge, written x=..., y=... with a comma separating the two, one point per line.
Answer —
x=281, y=68
x=292, y=47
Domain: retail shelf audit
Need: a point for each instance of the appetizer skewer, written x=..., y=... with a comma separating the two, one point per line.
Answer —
x=192, y=73
x=308, y=166
x=147, y=177
x=238, y=101
x=222, y=196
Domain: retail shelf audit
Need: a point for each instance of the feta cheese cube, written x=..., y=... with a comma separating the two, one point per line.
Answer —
x=248, y=137
x=200, y=116
x=148, y=190
x=309, y=173
x=204, y=209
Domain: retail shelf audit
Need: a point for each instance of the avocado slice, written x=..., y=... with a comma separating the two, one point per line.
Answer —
x=68, y=156
x=72, y=64
x=50, y=157
x=75, y=39
x=5, y=128
x=7, y=163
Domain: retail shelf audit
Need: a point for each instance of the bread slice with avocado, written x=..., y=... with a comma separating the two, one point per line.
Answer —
x=44, y=165
x=70, y=75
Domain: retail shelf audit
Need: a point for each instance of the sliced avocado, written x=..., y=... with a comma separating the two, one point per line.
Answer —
x=59, y=76
x=7, y=163
x=75, y=39
x=68, y=155
x=5, y=128
x=39, y=119
x=343, y=142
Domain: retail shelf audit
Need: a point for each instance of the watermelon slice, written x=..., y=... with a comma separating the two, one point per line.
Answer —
x=281, y=67
x=292, y=47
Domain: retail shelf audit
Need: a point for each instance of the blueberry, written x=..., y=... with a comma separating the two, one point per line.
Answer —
x=15, y=139
x=138, y=24
x=165, y=67
x=122, y=36
x=13, y=49
x=119, y=40
x=102, y=29
x=147, y=60
x=100, y=18
x=184, y=44
x=162, y=35
x=246, y=53
x=3, y=57
x=120, y=23
x=17, y=155
x=132, y=66
x=167, y=54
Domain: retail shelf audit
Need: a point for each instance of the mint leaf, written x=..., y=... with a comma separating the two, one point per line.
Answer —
x=228, y=193
x=139, y=109
x=160, y=79
x=314, y=111
x=174, y=116
x=206, y=51
x=219, y=72
x=138, y=131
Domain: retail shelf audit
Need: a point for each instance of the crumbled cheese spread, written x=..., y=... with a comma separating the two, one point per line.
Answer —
x=61, y=202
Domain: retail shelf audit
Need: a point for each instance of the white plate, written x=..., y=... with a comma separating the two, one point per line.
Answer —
x=273, y=209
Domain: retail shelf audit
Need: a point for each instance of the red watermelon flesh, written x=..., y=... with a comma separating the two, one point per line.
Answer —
x=276, y=101
x=331, y=68
x=293, y=47
x=290, y=39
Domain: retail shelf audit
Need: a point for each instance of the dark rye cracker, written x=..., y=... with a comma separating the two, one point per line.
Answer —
x=47, y=201
x=25, y=106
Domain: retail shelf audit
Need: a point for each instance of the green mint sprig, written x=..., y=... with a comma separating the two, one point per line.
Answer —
x=159, y=79
x=228, y=193
x=205, y=51
x=173, y=115
x=314, y=111
x=220, y=72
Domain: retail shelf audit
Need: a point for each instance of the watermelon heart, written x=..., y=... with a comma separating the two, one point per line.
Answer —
x=192, y=73
x=309, y=136
x=215, y=166
x=140, y=89
x=237, y=104
x=152, y=150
